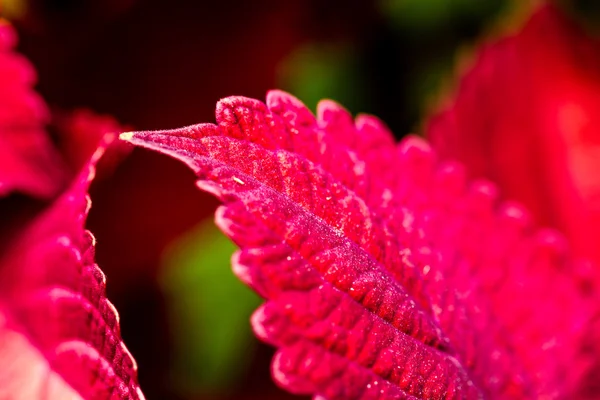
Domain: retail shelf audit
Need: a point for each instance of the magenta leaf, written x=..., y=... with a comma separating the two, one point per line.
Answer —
x=538, y=135
x=80, y=131
x=28, y=161
x=386, y=276
x=59, y=335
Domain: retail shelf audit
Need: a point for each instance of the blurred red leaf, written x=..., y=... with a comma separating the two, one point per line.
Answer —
x=527, y=115
x=28, y=161
x=59, y=335
x=79, y=132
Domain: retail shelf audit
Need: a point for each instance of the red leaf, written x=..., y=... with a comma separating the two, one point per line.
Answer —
x=527, y=115
x=59, y=335
x=28, y=161
x=79, y=133
x=385, y=276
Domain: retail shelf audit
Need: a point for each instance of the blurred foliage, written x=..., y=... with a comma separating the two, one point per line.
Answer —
x=12, y=8
x=586, y=12
x=209, y=312
x=434, y=32
x=323, y=70
x=429, y=17
x=397, y=68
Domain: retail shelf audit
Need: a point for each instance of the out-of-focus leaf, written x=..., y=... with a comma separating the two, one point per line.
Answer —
x=527, y=115
x=13, y=9
x=317, y=71
x=29, y=163
x=416, y=14
x=430, y=16
x=586, y=12
x=209, y=310
x=59, y=334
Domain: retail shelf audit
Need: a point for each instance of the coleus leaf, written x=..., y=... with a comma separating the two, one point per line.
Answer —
x=386, y=276
x=59, y=335
x=28, y=161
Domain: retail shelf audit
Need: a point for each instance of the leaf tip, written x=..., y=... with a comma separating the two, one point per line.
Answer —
x=126, y=136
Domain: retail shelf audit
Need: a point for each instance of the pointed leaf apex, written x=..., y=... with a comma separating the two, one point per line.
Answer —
x=126, y=136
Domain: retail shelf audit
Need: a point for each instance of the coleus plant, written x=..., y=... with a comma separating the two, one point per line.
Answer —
x=387, y=273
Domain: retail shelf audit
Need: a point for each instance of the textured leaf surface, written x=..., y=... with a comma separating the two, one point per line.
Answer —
x=28, y=161
x=386, y=275
x=59, y=335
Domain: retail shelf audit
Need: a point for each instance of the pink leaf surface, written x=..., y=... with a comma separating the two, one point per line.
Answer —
x=28, y=161
x=387, y=275
x=59, y=335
